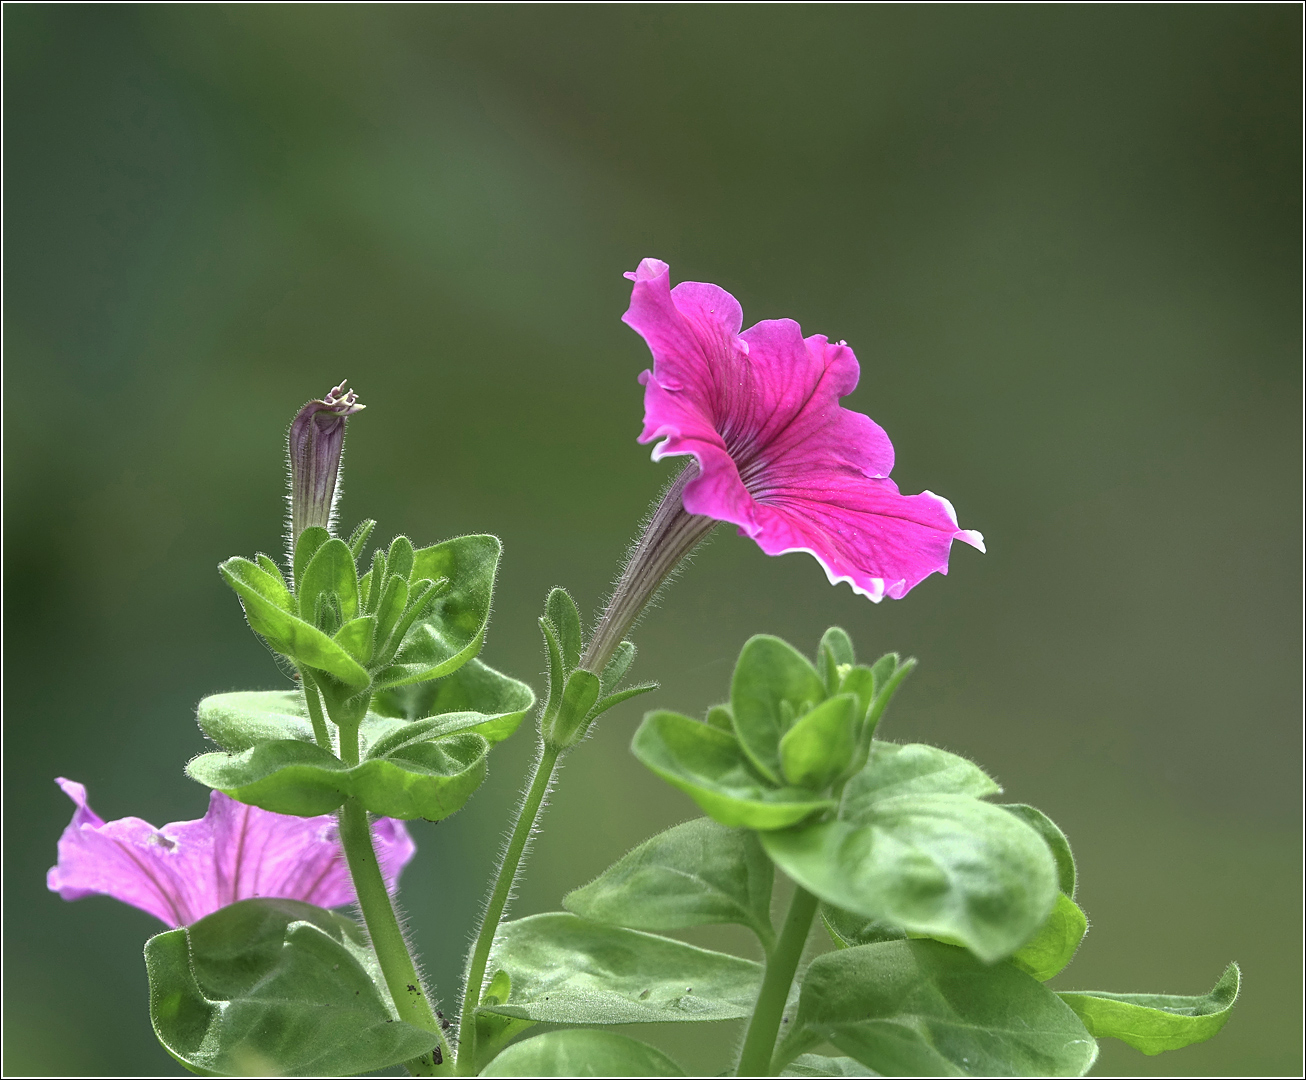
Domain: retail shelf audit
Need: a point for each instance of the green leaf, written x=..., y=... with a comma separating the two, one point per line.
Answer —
x=922, y=1008
x=275, y=988
x=846, y=929
x=330, y=572
x=428, y=780
x=579, y=695
x=773, y=683
x=1055, y=839
x=860, y=682
x=449, y=632
x=273, y=569
x=1056, y=942
x=820, y=1065
x=286, y=633
x=718, y=716
x=494, y=1032
x=306, y=547
x=474, y=689
x=358, y=538
x=372, y=583
x=286, y=777
x=691, y=875
x=613, y=700
x=839, y=645
x=394, y=602
x=243, y=719
x=565, y=970
x=911, y=769
x=820, y=745
x=579, y=1052
x=1153, y=1023
x=423, y=780
x=710, y=767
x=357, y=637
x=943, y=865
x=561, y=611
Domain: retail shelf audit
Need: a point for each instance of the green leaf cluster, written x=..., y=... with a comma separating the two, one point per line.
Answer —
x=577, y=697
x=388, y=656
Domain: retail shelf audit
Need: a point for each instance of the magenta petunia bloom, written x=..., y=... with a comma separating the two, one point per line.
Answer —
x=777, y=455
x=189, y=869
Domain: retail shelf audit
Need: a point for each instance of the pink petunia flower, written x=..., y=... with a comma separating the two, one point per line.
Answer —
x=189, y=869
x=777, y=455
x=772, y=451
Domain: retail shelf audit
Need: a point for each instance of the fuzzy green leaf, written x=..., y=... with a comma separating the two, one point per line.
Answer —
x=821, y=1065
x=708, y=765
x=565, y=970
x=243, y=719
x=581, y=1052
x=1154, y=1023
x=944, y=865
x=267, y=611
x=306, y=547
x=560, y=609
x=449, y=632
x=358, y=538
x=912, y=769
x=330, y=572
x=772, y=684
x=286, y=777
x=1056, y=942
x=1055, y=840
x=847, y=930
x=821, y=744
x=691, y=875
x=482, y=700
x=579, y=695
x=275, y=988
x=922, y=1008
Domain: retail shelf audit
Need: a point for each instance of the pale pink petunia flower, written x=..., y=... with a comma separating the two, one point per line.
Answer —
x=777, y=455
x=190, y=869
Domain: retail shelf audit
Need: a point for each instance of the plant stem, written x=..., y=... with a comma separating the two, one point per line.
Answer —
x=527, y=815
x=314, y=702
x=759, y=1043
x=383, y=927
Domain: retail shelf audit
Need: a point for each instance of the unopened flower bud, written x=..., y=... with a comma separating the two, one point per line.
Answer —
x=317, y=437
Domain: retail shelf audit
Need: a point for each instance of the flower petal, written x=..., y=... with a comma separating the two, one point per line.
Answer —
x=865, y=533
x=189, y=869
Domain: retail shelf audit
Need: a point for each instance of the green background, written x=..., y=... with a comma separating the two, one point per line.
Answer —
x=1063, y=241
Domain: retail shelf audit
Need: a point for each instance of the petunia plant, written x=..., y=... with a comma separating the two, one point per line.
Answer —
x=942, y=911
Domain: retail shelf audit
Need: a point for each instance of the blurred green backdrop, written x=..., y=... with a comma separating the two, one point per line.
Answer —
x=1064, y=242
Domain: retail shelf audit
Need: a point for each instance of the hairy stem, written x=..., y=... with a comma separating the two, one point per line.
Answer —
x=759, y=1043
x=383, y=925
x=527, y=815
x=320, y=732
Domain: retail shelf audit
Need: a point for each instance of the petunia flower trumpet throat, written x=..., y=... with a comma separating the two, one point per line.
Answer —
x=773, y=451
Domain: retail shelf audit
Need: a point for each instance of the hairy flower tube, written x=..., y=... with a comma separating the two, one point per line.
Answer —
x=189, y=869
x=773, y=451
x=316, y=441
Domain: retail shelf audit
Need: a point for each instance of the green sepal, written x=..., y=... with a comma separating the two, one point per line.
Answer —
x=1154, y=1023
x=565, y=970
x=709, y=765
x=475, y=689
x=330, y=572
x=494, y=1032
x=450, y=631
x=579, y=695
x=1055, y=839
x=560, y=609
x=886, y=685
x=399, y=559
x=421, y=595
x=1056, y=942
x=820, y=745
x=922, y=1008
x=581, y=1052
x=943, y=865
x=358, y=538
x=306, y=547
x=624, y=694
x=273, y=569
x=772, y=683
x=694, y=874
x=268, y=611
x=391, y=608
x=429, y=779
x=718, y=716
x=557, y=674
x=358, y=637
x=617, y=667
x=371, y=585
x=275, y=988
